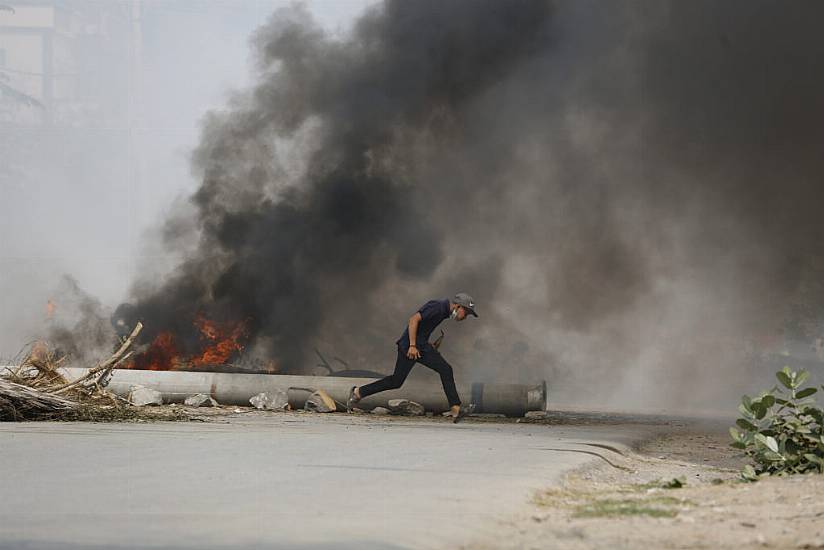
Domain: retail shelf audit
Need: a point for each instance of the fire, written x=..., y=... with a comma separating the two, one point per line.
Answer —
x=161, y=355
x=223, y=341
x=218, y=343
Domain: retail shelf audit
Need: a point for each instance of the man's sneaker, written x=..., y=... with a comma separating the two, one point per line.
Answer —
x=350, y=403
x=465, y=410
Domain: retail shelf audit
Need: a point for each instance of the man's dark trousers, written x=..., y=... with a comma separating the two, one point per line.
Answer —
x=430, y=357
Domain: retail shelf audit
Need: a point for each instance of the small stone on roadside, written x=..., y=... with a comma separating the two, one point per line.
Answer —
x=536, y=414
x=406, y=407
x=200, y=400
x=140, y=396
x=277, y=400
x=321, y=402
x=381, y=411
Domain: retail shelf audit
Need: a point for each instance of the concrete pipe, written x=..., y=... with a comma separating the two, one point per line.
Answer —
x=237, y=388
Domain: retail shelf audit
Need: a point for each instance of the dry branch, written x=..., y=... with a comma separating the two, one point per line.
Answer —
x=19, y=402
x=108, y=364
x=32, y=390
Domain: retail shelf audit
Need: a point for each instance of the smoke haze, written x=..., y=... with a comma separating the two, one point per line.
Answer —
x=629, y=190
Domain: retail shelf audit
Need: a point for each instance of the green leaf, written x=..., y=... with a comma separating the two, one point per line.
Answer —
x=768, y=400
x=806, y=392
x=746, y=425
x=748, y=473
x=814, y=458
x=759, y=410
x=746, y=401
x=735, y=435
x=768, y=441
x=784, y=378
x=801, y=378
x=745, y=411
x=773, y=456
x=738, y=445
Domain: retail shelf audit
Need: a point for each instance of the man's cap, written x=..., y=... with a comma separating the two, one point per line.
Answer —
x=465, y=300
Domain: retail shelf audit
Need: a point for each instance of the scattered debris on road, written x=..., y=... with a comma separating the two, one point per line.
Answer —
x=200, y=400
x=141, y=396
x=35, y=389
x=406, y=407
x=277, y=400
x=19, y=402
x=321, y=402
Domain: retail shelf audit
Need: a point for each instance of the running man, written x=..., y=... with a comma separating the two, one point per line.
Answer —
x=414, y=346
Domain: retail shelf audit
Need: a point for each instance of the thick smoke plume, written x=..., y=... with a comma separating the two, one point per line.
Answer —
x=283, y=252
x=630, y=190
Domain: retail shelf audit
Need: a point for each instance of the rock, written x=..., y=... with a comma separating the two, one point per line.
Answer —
x=406, y=407
x=536, y=414
x=140, y=396
x=320, y=402
x=380, y=411
x=200, y=400
x=277, y=400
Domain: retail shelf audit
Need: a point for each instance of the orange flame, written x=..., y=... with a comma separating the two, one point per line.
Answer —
x=219, y=341
x=223, y=341
x=161, y=355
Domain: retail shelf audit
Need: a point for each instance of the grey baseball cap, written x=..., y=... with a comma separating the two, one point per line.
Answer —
x=465, y=300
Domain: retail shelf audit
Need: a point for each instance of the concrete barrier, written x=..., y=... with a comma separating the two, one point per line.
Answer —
x=238, y=388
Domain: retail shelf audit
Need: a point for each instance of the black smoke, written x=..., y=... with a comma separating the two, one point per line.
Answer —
x=285, y=256
x=632, y=190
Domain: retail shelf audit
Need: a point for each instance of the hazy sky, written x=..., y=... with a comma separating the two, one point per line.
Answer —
x=90, y=196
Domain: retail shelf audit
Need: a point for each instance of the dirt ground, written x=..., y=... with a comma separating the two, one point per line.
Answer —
x=679, y=491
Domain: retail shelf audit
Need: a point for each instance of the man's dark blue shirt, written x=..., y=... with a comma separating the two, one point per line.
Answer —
x=432, y=313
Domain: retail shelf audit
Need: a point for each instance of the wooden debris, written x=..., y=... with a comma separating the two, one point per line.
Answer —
x=36, y=389
x=19, y=402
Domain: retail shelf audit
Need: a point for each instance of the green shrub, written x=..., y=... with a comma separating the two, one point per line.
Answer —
x=781, y=430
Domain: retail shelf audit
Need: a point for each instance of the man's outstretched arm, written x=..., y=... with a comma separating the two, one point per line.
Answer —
x=412, y=352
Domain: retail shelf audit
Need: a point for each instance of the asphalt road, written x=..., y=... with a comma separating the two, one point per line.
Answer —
x=280, y=480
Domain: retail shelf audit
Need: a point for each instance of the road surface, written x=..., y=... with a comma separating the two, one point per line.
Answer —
x=286, y=480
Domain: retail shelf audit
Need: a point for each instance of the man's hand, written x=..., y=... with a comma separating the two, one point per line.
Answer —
x=413, y=353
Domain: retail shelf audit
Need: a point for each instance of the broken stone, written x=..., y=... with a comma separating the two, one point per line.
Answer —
x=536, y=414
x=140, y=396
x=277, y=400
x=200, y=400
x=380, y=411
x=320, y=402
x=406, y=407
